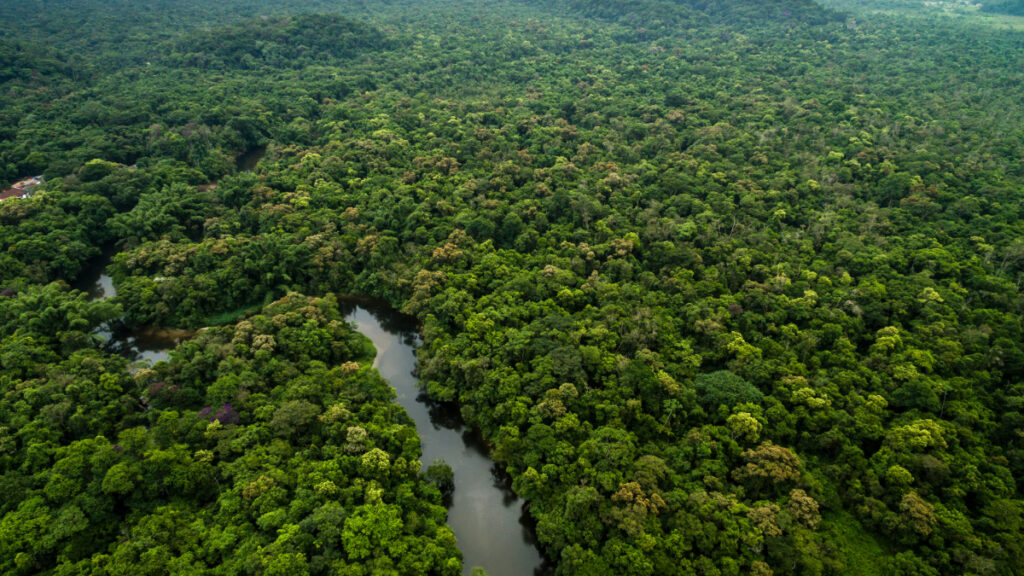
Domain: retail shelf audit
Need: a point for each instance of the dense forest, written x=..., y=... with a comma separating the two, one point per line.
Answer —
x=727, y=287
x=1012, y=7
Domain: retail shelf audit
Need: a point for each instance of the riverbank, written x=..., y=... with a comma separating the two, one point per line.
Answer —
x=491, y=527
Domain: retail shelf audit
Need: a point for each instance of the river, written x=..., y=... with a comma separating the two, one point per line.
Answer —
x=247, y=161
x=148, y=343
x=488, y=519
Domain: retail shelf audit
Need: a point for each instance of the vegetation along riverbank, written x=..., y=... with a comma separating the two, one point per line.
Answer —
x=725, y=287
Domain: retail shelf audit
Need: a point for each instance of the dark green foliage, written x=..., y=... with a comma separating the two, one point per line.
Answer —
x=294, y=42
x=1011, y=7
x=440, y=475
x=725, y=388
x=664, y=17
x=24, y=63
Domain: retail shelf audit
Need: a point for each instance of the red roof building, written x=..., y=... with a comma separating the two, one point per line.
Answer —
x=21, y=189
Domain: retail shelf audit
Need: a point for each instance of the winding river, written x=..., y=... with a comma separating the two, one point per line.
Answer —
x=147, y=343
x=488, y=519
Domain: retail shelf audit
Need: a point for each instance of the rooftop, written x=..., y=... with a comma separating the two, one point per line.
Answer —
x=21, y=189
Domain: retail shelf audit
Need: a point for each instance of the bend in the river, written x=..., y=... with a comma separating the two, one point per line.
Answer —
x=487, y=517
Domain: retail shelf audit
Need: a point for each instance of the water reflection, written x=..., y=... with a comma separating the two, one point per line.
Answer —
x=247, y=161
x=146, y=344
x=101, y=288
x=488, y=519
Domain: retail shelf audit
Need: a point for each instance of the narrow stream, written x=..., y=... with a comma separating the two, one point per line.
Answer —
x=487, y=517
